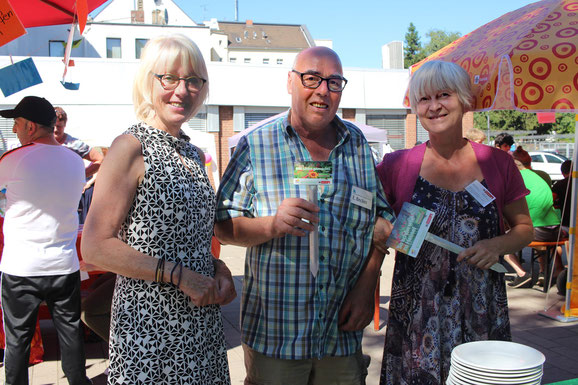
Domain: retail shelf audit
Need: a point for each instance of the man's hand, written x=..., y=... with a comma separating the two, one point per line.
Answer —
x=357, y=309
x=381, y=232
x=291, y=218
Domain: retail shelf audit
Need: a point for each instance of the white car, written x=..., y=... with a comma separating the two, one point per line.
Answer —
x=549, y=162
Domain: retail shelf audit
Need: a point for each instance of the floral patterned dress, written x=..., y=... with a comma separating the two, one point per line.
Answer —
x=438, y=303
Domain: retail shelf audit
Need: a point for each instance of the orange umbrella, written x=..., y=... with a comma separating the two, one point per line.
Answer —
x=523, y=60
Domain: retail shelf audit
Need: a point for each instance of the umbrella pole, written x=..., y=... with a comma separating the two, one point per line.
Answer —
x=567, y=313
x=570, y=313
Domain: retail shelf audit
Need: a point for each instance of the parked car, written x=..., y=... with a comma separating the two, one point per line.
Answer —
x=549, y=162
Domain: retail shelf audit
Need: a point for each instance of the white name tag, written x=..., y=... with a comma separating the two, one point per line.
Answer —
x=361, y=197
x=480, y=193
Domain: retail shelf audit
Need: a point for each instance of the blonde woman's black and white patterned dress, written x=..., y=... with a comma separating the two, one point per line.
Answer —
x=157, y=335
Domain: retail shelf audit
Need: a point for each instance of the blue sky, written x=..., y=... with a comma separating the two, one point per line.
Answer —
x=359, y=28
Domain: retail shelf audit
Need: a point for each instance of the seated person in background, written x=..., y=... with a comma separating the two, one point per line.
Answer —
x=76, y=145
x=562, y=189
x=504, y=141
x=545, y=219
x=476, y=135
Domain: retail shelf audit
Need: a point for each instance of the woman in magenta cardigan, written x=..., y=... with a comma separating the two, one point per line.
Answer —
x=440, y=299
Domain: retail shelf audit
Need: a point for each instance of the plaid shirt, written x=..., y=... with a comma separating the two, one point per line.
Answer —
x=286, y=312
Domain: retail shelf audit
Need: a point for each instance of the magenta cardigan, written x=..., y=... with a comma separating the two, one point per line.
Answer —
x=399, y=171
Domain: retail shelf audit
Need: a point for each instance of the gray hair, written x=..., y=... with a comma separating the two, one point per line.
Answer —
x=437, y=75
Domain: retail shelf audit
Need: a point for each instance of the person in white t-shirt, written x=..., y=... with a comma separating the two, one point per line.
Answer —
x=43, y=183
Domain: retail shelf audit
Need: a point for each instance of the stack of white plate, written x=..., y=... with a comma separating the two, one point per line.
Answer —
x=495, y=363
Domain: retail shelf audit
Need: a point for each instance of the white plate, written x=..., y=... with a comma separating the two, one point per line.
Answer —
x=502, y=373
x=498, y=355
x=490, y=378
x=458, y=378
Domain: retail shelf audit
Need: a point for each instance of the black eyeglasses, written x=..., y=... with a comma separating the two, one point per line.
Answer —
x=334, y=83
x=170, y=82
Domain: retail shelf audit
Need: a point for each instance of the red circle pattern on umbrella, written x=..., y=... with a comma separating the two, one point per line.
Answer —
x=524, y=60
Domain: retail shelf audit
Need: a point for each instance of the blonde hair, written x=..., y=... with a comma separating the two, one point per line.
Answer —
x=159, y=55
x=437, y=75
x=476, y=135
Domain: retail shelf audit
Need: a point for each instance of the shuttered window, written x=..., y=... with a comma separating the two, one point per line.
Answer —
x=255, y=117
x=422, y=134
x=199, y=122
x=394, y=125
x=6, y=134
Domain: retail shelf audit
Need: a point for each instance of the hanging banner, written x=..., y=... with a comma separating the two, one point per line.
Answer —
x=10, y=25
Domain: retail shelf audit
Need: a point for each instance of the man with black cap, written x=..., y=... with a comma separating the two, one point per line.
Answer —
x=43, y=183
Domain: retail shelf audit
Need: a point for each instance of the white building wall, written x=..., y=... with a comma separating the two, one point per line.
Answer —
x=102, y=108
x=99, y=32
x=257, y=56
x=120, y=12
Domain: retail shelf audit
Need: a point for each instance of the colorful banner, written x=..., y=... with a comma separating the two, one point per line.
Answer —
x=10, y=25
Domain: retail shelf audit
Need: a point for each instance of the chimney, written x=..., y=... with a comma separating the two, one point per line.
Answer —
x=249, y=23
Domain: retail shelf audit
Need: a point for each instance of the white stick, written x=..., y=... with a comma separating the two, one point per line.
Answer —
x=314, y=235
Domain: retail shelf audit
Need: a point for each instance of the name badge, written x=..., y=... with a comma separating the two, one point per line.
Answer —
x=361, y=197
x=480, y=193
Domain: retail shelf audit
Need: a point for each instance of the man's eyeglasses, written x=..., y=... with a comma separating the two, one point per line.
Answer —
x=334, y=83
x=170, y=82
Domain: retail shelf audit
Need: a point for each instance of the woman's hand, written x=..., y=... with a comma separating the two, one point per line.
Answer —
x=482, y=254
x=225, y=283
x=201, y=289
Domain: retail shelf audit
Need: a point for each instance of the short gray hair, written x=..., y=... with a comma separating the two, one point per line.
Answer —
x=437, y=75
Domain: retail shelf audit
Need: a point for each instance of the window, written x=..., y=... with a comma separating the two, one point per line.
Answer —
x=199, y=122
x=279, y=61
x=553, y=159
x=56, y=48
x=113, y=48
x=255, y=117
x=247, y=60
x=138, y=46
x=265, y=60
x=395, y=126
x=232, y=60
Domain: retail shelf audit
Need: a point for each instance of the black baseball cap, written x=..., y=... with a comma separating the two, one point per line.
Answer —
x=35, y=109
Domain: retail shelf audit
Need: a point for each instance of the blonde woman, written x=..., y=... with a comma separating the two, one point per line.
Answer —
x=151, y=222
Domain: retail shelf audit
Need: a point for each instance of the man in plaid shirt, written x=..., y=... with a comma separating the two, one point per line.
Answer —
x=301, y=326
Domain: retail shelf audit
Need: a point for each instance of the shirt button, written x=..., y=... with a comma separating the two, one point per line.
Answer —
x=321, y=258
x=321, y=200
x=321, y=315
x=322, y=228
x=321, y=287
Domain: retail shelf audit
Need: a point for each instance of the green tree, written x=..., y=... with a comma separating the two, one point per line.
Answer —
x=509, y=120
x=412, y=47
x=438, y=39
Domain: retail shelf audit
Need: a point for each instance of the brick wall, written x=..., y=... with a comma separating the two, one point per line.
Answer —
x=225, y=132
x=349, y=114
x=410, y=130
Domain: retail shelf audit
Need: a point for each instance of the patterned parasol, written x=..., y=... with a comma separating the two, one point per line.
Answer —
x=524, y=60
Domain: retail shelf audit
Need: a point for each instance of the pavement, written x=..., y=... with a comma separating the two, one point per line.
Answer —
x=558, y=341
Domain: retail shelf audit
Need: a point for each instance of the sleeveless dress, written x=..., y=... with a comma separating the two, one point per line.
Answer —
x=438, y=303
x=157, y=335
